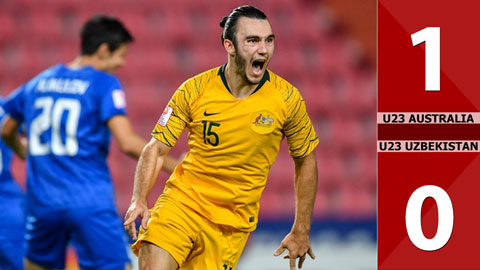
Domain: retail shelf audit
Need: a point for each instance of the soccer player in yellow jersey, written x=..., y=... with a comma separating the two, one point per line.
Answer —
x=237, y=115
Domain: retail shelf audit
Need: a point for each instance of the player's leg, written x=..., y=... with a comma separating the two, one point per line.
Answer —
x=217, y=247
x=12, y=231
x=235, y=242
x=153, y=257
x=98, y=238
x=47, y=238
x=169, y=236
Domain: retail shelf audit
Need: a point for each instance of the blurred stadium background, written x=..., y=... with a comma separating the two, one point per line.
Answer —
x=324, y=47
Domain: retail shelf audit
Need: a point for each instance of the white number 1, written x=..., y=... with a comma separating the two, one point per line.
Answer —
x=431, y=37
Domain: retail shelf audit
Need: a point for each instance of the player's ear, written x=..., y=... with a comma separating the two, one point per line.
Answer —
x=103, y=51
x=229, y=47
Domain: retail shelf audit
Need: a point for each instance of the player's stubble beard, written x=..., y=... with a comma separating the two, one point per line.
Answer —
x=240, y=62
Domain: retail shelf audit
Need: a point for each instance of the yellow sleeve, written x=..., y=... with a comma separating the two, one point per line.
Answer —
x=176, y=115
x=298, y=128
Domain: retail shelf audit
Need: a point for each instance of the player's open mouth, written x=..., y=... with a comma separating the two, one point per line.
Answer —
x=257, y=66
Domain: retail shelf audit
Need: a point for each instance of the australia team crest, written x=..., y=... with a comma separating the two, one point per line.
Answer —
x=263, y=122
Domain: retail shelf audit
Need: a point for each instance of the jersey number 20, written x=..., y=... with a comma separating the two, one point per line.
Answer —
x=50, y=118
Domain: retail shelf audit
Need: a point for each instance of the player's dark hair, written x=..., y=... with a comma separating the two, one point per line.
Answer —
x=103, y=29
x=229, y=23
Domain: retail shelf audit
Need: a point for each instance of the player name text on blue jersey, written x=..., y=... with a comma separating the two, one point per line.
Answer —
x=64, y=86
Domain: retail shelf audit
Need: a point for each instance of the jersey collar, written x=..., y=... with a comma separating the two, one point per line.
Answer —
x=221, y=72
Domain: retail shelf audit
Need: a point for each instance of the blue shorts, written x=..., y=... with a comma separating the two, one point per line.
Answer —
x=12, y=231
x=96, y=234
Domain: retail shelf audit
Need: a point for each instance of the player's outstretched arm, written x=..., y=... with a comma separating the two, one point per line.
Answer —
x=10, y=136
x=148, y=167
x=128, y=141
x=132, y=144
x=297, y=242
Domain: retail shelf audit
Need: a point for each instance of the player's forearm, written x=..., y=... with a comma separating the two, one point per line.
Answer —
x=11, y=138
x=134, y=149
x=16, y=145
x=148, y=168
x=128, y=141
x=305, y=192
x=146, y=173
x=133, y=146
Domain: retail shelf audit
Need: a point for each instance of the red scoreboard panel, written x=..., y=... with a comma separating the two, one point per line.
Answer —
x=428, y=134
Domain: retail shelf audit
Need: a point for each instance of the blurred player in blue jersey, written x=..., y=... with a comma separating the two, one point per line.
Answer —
x=12, y=216
x=70, y=111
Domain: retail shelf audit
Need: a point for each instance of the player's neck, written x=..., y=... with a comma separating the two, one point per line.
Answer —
x=239, y=88
x=84, y=61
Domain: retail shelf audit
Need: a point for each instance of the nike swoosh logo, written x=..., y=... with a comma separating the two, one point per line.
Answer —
x=209, y=114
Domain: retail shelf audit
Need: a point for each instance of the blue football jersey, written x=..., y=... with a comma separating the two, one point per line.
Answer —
x=12, y=213
x=8, y=186
x=66, y=112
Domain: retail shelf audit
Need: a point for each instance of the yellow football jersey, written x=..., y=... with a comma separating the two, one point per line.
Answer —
x=233, y=143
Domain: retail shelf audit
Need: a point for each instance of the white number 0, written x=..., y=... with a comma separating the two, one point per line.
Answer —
x=413, y=218
x=51, y=116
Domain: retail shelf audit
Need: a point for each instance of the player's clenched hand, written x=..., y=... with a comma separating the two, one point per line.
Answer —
x=136, y=209
x=298, y=245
